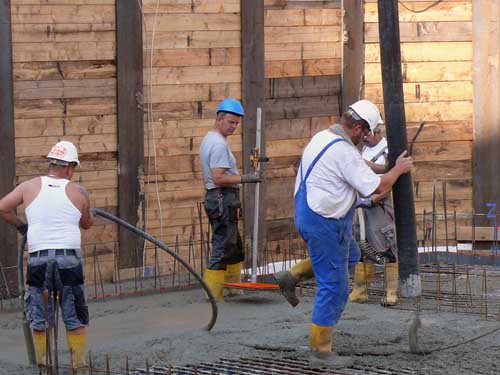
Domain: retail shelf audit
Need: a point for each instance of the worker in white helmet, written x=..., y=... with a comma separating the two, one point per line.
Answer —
x=331, y=175
x=55, y=210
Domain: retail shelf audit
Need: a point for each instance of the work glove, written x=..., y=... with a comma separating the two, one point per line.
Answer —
x=251, y=178
x=364, y=203
x=22, y=228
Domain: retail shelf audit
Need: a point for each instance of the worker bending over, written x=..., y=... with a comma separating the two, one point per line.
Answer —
x=331, y=174
x=378, y=221
x=55, y=209
x=222, y=198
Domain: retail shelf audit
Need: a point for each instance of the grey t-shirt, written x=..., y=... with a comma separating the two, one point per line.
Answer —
x=215, y=153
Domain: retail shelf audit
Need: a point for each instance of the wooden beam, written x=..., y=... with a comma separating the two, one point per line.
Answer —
x=253, y=93
x=353, y=52
x=129, y=71
x=486, y=117
x=8, y=253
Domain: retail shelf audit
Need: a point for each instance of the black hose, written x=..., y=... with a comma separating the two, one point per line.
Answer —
x=28, y=338
x=171, y=252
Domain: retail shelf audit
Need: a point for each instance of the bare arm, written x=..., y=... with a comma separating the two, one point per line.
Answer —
x=387, y=180
x=377, y=168
x=221, y=178
x=9, y=203
x=87, y=219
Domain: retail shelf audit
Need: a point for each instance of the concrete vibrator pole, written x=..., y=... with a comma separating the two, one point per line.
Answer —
x=392, y=81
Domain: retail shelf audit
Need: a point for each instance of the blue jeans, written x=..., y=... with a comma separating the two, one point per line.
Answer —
x=69, y=269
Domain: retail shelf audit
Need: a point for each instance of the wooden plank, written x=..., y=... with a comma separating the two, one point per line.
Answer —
x=192, y=22
x=486, y=78
x=63, y=51
x=65, y=89
x=297, y=51
x=23, y=33
x=129, y=68
x=302, y=34
x=308, y=4
x=67, y=13
x=321, y=67
x=195, y=75
x=40, y=71
x=454, y=11
x=425, y=71
x=278, y=69
x=425, y=31
x=8, y=257
x=290, y=87
x=469, y=233
x=426, y=51
x=426, y=91
x=284, y=17
x=198, y=92
x=442, y=170
x=289, y=108
x=353, y=53
x=253, y=94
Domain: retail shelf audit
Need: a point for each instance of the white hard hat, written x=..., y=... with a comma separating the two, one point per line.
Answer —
x=368, y=112
x=63, y=153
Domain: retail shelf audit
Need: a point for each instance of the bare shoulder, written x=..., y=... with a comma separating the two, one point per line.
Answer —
x=77, y=194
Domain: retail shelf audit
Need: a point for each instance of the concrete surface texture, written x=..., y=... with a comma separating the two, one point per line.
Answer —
x=167, y=329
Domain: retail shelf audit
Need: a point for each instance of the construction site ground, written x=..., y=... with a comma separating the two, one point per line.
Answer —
x=166, y=329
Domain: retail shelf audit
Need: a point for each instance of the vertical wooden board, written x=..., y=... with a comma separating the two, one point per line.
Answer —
x=253, y=92
x=129, y=54
x=486, y=117
x=353, y=52
x=8, y=255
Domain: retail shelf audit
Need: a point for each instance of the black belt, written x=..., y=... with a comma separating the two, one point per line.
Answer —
x=225, y=189
x=58, y=252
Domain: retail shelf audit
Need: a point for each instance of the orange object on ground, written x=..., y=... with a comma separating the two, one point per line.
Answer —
x=251, y=285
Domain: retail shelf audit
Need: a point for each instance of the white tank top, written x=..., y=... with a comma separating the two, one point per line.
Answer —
x=53, y=220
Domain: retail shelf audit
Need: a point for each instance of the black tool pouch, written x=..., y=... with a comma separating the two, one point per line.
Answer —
x=36, y=275
x=82, y=310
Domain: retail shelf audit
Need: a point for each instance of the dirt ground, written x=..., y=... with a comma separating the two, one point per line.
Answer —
x=167, y=329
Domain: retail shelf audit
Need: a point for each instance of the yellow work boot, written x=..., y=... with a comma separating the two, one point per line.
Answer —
x=321, y=349
x=391, y=285
x=363, y=276
x=77, y=345
x=40, y=344
x=232, y=275
x=215, y=281
x=287, y=280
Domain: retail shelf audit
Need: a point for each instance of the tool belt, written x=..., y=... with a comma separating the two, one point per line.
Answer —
x=52, y=252
x=225, y=189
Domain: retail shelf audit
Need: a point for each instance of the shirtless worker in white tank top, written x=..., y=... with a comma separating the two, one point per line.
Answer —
x=55, y=209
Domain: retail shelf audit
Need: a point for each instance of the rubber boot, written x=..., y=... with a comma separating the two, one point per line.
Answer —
x=321, y=349
x=287, y=280
x=232, y=274
x=77, y=345
x=40, y=344
x=391, y=285
x=215, y=280
x=363, y=276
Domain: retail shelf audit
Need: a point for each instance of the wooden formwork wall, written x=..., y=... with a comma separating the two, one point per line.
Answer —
x=194, y=63
x=436, y=54
x=303, y=50
x=64, y=88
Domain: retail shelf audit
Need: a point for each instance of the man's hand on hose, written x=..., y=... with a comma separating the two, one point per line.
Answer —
x=251, y=178
x=364, y=203
x=22, y=228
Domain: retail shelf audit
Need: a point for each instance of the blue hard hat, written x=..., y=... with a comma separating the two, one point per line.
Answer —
x=232, y=106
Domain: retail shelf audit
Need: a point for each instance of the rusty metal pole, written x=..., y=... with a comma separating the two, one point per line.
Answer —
x=392, y=80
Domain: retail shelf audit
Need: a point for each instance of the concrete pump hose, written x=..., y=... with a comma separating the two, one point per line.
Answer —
x=171, y=252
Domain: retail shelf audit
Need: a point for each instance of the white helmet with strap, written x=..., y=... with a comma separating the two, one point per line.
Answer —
x=368, y=112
